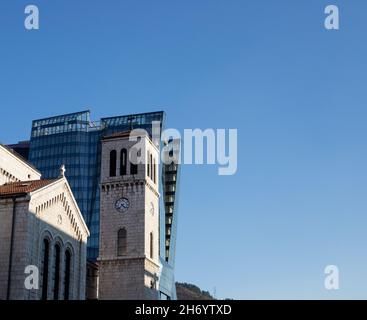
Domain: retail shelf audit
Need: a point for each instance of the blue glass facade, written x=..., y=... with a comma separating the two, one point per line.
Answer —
x=75, y=140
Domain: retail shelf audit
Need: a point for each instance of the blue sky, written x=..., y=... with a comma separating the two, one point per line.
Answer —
x=295, y=91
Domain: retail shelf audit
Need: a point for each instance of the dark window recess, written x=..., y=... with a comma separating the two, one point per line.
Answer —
x=121, y=242
x=113, y=162
x=151, y=246
x=123, y=162
x=57, y=272
x=45, y=262
x=67, y=275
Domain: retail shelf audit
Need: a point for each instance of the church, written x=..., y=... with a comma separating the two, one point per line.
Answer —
x=40, y=226
x=131, y=211
x=43, y=227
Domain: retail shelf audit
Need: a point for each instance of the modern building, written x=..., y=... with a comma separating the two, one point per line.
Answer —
x=21, y=148
x=43, y=236
x=76, y=141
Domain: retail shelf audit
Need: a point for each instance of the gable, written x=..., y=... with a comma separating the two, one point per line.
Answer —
x=56, y=205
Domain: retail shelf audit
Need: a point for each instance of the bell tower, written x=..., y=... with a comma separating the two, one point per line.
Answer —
x=129, y=218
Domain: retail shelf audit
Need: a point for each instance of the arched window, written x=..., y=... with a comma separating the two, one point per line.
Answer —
x=151, y=165
x=148, y=164
x=44, y=266
x=123, y=162
x=113, y=162
x=154, y=172
x=67, y=274
x=151, y=246
x=121, y=242
x=133, y=168
x=56, y=276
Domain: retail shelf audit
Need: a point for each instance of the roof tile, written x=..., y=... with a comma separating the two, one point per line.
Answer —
x=23, y=187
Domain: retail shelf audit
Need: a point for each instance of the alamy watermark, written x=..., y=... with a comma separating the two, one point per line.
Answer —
x=31, y=281
x=332, y=19
x=331, y=281
x=332, y=277
x=32, y=19
x=194, y=146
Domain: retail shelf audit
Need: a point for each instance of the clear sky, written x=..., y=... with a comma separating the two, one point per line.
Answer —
x=296, y=92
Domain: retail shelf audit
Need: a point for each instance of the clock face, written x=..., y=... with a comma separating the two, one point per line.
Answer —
x=152, y=208
x=122, y=205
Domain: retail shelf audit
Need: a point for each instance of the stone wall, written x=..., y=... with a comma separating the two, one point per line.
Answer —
x=133, y=275
x=49, y=213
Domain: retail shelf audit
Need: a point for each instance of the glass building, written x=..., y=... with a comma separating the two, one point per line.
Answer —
x=75, y=140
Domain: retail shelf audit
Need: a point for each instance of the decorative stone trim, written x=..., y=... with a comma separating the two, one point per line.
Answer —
x=128, y=186
x=61, y=198
x=9, y=177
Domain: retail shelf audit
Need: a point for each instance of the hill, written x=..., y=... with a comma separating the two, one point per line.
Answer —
x=187, y=291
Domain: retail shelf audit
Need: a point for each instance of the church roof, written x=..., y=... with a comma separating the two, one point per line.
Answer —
x=23, y=187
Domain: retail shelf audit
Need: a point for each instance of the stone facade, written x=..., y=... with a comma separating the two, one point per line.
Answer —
x=31, y=214
x=131, y=272
x=92, y=281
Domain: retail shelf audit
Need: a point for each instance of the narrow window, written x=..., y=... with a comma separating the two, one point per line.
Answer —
x=45, y=262
x=151, y=246
x=67, y=274
x=154, y=172
x=121, y=243
x=123, y=162
x=56, y=272
x=113, y=160
x=151, y=165
x=133, y=168
x=148, y=165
